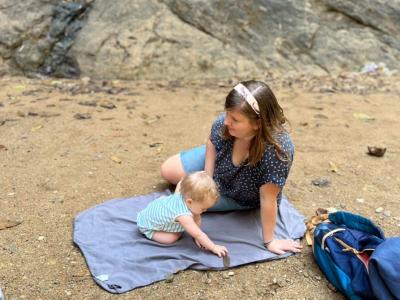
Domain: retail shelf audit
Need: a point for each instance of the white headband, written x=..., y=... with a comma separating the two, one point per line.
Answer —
x=245, y=93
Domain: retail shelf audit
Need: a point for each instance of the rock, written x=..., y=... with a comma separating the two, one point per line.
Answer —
x=82, y=116
x=140, y=39
x=88, y=103
x=321, y=182
x=379, y=210
x=225, y=275
x=107, y=104
x=387, y=213
x=360, y=200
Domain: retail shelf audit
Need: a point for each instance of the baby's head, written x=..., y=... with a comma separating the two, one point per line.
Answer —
x=199, y=191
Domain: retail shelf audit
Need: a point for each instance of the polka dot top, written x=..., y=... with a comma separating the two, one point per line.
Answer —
x=242, y=183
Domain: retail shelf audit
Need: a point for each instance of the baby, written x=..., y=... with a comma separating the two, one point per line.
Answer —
x=166, y=218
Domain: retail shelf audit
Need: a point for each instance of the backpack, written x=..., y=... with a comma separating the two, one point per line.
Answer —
x=354, y=256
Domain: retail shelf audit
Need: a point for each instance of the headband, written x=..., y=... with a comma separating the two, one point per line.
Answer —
x=245, y=93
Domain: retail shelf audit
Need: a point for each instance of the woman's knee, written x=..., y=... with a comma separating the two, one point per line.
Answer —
x=172, y=169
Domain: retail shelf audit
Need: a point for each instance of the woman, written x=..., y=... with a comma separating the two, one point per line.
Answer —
x=249, y=154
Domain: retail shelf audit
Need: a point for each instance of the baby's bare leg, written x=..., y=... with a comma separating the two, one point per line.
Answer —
x=166, y=237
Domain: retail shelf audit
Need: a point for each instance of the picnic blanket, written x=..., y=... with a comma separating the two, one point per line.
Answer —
x=121, y=259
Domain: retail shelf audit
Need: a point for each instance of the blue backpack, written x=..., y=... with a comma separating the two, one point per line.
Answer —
x=355, y=257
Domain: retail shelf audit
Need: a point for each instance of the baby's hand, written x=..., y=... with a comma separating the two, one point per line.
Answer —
x=198, y=244
x=220, y=250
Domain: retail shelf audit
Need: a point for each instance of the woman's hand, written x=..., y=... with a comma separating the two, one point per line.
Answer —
x=283, y=246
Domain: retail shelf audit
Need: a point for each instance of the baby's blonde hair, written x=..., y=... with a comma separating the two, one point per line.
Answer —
x=198, y=186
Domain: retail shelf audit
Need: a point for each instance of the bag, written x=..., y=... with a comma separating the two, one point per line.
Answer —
x=384, y=269
x=342, y=246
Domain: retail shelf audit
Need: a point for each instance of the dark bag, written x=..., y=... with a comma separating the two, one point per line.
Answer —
x=343, y=246
x=384, y=269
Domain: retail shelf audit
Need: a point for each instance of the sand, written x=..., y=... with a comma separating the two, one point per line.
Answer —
x=55, y=165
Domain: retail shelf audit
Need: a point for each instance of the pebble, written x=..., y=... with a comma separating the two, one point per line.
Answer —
x=231, y=273
x=321, y=182
x=41, y=238
x=387, y=213
x=360, y=200
x=379, y=210
x=170, y=278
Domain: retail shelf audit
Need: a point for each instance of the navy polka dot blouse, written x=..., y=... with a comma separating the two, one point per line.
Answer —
x=242, y=183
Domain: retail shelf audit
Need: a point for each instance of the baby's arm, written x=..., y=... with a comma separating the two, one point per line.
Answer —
x=191, y=228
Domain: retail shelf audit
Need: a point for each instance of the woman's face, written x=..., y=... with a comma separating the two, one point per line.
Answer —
x=239, y=125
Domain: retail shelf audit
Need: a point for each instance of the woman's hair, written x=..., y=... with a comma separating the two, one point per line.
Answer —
x=198, y=186
x=270, y=119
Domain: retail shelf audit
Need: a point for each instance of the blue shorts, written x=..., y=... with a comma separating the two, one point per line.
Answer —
x=194, y=160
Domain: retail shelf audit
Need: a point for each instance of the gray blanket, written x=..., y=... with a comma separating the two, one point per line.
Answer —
x=121, y=259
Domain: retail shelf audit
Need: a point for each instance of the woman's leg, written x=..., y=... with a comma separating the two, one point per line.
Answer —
x=226, y=204
x=166, y=237
x=172, y=169
x=176, y=166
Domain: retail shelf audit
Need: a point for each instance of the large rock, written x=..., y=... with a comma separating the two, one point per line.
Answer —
x=176, y=39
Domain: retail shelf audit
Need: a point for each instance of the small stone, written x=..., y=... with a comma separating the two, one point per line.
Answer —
x=321, y=182
x=170, y=278
x=342, y=205
x=360, y=200
x=85, y=80
x=387, y=213
x=107, y=104
x=68, y=293
x=318, y=278
x=379, y=210
x=88, y=103
x=225, y=275
x=82, y=116
x=231, y=273
x=41, y=238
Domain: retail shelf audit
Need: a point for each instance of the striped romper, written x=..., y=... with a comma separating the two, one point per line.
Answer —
x=161, y=214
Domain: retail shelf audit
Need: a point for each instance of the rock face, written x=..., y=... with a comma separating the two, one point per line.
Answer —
x=191, y=39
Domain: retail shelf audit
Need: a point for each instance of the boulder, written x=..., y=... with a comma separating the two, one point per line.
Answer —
x=196, y=39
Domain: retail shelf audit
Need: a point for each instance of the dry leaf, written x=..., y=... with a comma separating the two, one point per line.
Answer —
x=36, y=128
x=333, y=167
x=363, y=117
x=8, y=224
x=19, y=87
x=309, y=239
x=116, y=159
